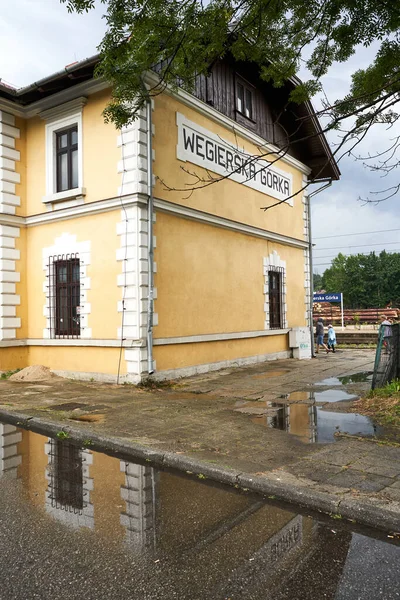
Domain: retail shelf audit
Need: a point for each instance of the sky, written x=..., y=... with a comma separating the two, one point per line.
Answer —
x=39, y=37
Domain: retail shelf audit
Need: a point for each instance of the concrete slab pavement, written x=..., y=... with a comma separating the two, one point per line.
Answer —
x=192, y=425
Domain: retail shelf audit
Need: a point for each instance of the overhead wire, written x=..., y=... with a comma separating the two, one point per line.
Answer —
x=358, y=246
x=359, y=233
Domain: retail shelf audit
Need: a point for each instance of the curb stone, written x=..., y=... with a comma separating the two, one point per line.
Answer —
x=364, y=510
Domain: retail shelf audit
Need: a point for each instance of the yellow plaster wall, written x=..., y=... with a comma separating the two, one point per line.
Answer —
x=33, y=468
x=176, y=356
x=100, y=151
x=35, y=167
x=210, y=280
x=77, y=358
x=13, y=358
x=300, y=421
x=227, y=198
x=103, y=270
x=100, y=157
x=106, y=496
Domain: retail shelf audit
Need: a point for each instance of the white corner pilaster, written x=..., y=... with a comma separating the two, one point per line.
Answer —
x=9, y=156
x=133, y=282
x=139, y=516
x=9, y=277
x=132, y=140
x=9, y=457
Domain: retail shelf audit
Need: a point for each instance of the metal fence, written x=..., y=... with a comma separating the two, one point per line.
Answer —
x=387, y=358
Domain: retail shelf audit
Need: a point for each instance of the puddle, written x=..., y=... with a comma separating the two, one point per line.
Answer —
x=361, y=377
x=333, y=396
x=356, y=377
x=301, y=414
x=328, y=381
x=270, y=374
x=313, y=424
x=319, y=397
x=100, y=528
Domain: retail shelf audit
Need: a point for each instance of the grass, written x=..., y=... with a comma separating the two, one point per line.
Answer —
x=382, y=404
x=153, y=384
x=366, y=345
x=7, y=374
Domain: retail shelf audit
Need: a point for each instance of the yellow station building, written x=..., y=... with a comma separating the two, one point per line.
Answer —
x=120, y=253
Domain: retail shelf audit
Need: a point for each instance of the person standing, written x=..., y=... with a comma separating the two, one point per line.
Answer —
x=385, y=329
x=331, y=338
x=319, y=330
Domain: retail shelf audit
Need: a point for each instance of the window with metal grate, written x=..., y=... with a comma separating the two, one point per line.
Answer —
x=66, y=477
x=275, y=290
x=64, y=295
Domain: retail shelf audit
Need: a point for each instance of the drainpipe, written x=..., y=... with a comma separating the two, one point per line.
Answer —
x=150, y=247
x=311, y=307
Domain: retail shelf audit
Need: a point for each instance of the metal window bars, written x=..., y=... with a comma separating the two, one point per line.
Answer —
x=64, y=295
x=66, y=477
x=276, y=296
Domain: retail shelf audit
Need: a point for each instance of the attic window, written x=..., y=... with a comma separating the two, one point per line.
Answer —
x=244, y=100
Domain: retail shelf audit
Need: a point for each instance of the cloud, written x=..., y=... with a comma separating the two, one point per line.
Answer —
x=39, y=37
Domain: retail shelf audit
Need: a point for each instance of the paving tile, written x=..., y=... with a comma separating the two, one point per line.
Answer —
x=314, y=471
x=347, y=479
x=373, y=483
x=396, y=484
x=340, y=457
x=392, y=492
x=377, y=467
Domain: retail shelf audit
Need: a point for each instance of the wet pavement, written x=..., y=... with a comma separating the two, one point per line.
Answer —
x=78, y=524
x=277, y=427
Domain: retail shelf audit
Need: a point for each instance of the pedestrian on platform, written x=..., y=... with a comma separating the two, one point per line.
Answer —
x=331, y=338
x=385, y=330
x=319, y=330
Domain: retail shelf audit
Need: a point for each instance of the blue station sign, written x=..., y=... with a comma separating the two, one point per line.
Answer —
x=332, y=297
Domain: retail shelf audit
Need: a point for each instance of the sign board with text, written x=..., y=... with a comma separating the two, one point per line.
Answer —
x=331, y=297
x=208, y=150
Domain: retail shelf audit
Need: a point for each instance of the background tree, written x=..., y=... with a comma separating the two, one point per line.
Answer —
x=367, y=281
x=185, y=37
x=317, y=281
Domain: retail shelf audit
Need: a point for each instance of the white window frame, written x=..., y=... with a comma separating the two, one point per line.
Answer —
x=53, y=125
x=274, y=260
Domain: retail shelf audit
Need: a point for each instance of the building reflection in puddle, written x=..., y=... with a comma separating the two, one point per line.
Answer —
x=69, y=483
x=300, y=415
x=216, y=535
x=10, y=458
x=298, y=419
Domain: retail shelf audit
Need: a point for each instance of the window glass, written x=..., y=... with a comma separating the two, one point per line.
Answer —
x=275, y=299
x=63, y=172
x=67, y=175
x=240, y=97
x=62, y=140
x=249, y=107
x=244, y=100
x=74, y=168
